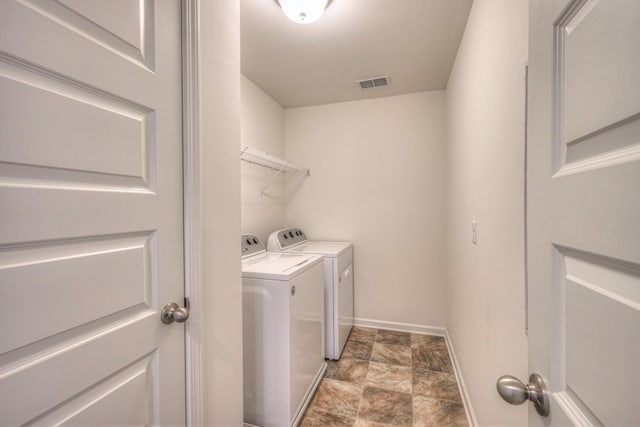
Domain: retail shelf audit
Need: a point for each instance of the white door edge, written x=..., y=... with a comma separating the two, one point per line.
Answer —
x=194, y=334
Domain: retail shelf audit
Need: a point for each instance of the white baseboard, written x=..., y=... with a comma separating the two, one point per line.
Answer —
x=402, y=327
x=428, y=330
x=466, y=400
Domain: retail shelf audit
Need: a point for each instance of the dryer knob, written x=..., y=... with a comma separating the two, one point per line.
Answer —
x=255, y=240
x=248, y=241
x=291, y=233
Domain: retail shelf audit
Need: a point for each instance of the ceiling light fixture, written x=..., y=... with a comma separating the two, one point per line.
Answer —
x=303, y=11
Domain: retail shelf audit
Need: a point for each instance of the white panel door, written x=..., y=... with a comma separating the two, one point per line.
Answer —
x=584, y=209
x=91, y=244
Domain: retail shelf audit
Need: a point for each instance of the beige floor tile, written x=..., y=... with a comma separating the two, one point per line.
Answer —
x=348, y=369
x=389, y=377
x=357, y=350
x=430, y=412
x=363, y=334
x=439, y=385
x=428, y=342
x=394, y=337
x=337, y=397
x=391, y=354
x=324, y=419
x=385, y=406
x=431, y=360
x=365, y=423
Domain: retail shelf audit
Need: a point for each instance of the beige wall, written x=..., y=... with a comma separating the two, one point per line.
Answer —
x=377, y=179
x=262, y=127
x=220, y=185
x=485, y=158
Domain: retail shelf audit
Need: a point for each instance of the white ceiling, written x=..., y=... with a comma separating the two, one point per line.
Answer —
x=414, y=42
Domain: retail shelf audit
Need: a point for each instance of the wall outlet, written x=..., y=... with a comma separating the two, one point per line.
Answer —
x=474, y=232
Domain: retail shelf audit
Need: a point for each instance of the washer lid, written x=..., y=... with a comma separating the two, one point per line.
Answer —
x=278, y=266
x=330, y=249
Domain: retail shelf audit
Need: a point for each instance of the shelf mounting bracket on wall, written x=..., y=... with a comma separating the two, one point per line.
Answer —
x=269, y=161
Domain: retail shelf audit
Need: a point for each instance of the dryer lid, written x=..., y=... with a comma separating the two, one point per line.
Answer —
x=277, y=266
x=329, y=249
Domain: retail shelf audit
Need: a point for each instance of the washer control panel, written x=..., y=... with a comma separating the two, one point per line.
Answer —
x=290, y=237
x=250, y=244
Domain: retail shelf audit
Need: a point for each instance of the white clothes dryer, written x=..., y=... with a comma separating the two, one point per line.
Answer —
x=283, y=333
x=338, y=276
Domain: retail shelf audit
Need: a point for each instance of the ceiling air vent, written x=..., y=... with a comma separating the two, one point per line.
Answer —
x=373, y=82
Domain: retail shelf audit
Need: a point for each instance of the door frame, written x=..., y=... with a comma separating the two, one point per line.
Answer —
x=192, y=219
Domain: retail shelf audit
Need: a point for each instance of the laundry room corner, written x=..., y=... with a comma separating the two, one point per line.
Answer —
x=377, y=181
x=262, y=192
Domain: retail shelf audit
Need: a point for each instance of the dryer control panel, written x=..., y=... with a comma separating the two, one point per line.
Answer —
x=290, y=237
x=251, y=244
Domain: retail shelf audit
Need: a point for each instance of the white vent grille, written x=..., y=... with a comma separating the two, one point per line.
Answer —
x=374, y=82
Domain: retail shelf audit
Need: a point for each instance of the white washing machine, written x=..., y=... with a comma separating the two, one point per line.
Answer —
x=338, y=276
x=283, y=333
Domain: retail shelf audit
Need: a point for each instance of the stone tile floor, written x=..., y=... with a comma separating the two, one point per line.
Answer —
x=388, y=378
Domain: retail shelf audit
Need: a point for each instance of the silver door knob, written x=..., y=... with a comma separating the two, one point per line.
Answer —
x=172, y=312
x=512, y=390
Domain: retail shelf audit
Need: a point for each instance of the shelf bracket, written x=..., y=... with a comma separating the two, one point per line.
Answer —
x=273, y=178
x=269, y=161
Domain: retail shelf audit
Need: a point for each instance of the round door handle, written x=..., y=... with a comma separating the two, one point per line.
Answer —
x=513, y=391
x=172, y=312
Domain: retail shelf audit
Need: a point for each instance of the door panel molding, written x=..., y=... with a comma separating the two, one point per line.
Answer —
x=127, y=165
x=122, y=390
x=101, y=277
x=567, y=404
x=82, y=355
x=138, y=48
x=608, y=133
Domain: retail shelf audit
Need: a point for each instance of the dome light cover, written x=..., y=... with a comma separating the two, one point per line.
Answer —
x=303, y=11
